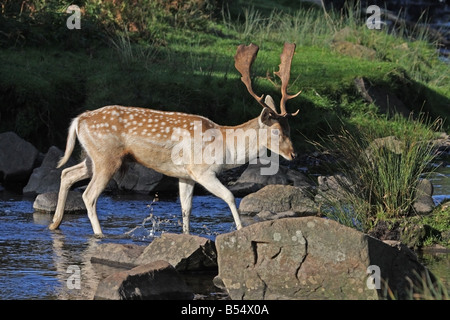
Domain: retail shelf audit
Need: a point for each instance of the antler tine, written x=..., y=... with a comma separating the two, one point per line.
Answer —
x=284, y=75
x=243, y=60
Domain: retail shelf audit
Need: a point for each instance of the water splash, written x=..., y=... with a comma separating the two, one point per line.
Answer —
x=142, y=232
x=151, y=227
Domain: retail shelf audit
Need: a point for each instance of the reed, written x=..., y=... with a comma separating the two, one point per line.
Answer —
x=384, y=165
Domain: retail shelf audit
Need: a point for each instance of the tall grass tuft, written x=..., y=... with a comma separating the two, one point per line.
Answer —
x=384, y=165
x=132, y=53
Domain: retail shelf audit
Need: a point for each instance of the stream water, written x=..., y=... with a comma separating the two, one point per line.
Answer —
x=36, y=263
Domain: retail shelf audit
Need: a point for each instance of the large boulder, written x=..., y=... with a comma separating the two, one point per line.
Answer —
x=275, y=201
x=47, y=178
x=312, y=258
x=17, y=158
x=154, y=281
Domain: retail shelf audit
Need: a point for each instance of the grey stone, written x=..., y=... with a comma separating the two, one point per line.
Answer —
x=251, y=180
x=424, y=202
x=46, y=202
x=137, y=178
x=279, y=198
x=117, y=255
x=390, y=143
x=333, y=188
x=47, y=178
x=312, y=258
x=17, y=158
x=184, y=252
x=154, y=281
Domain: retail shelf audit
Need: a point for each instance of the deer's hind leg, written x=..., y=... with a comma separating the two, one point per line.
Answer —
x=102, y=173
x=69, y=176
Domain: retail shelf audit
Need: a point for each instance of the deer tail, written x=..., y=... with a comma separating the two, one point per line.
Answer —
x=71, y=139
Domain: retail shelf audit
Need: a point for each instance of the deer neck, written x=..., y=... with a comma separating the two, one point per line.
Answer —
x=243, y=143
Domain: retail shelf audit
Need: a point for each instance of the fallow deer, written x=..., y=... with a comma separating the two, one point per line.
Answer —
x=112, y=133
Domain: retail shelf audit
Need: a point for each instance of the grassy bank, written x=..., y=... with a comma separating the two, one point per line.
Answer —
x=181, y=58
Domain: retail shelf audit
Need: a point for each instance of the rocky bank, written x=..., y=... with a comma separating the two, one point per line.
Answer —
x=291, y=258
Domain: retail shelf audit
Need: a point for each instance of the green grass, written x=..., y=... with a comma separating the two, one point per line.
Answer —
x=440, y=221
x=167, y=58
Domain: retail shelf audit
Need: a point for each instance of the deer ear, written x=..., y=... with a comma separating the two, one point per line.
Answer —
x=270, y=103
x=266, y=116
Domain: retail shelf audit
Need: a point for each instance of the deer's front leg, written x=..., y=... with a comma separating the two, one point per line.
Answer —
x=213, y=185
x=186, y=192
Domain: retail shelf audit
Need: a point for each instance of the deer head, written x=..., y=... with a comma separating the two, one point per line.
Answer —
x=269, y=118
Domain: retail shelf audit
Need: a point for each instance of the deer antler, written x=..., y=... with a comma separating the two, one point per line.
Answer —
x=284, y=74
x=243, y=60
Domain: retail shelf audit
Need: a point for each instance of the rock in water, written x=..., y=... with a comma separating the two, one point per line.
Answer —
x=185, y=252
x=117, y=254
x=312, y=258
x=47, y=178
x=47, y=202
x=154, y=281
x=424, y=202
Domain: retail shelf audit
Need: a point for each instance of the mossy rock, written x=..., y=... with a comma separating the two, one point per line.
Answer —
x=413, y=233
